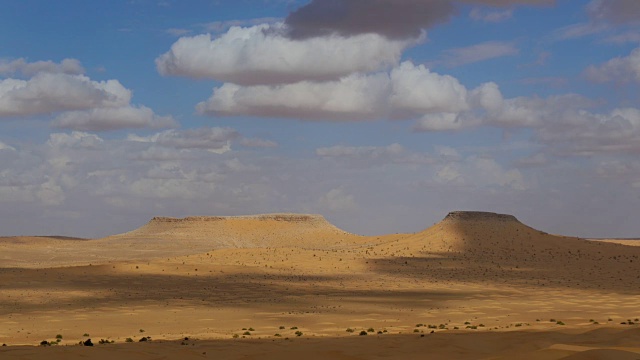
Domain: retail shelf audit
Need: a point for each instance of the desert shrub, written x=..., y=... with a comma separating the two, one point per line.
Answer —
x=252, y=329
x=432, y=326
x=58, y=336
x=246, y=333
x=129, y=340
x=281, y=327
x=350, y=330
x=277, y=335
x=294, y=328
x=559, y=322
x=44, y=343
x=416, y=330
x=363, y=333
x=86, y=335
x=235, y=336
x=371, y=330
x=298, y=333
x=141, y=330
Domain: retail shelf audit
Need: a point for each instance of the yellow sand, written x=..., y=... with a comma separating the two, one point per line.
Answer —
x=498, y=281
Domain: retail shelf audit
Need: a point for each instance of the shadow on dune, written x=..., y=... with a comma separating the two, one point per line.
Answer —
x=98, y=286
x=498, y=249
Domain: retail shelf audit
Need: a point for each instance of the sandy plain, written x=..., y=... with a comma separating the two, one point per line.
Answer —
x=475, y=285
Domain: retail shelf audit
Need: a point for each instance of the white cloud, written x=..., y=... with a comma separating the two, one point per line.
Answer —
x=616, y=11
x=82, y=104
x=338, y=200
x=4, y=146
x=408, y=91
x=113, y=118
x=76, y=140
x=202, y=138
x=479, y=52
x=47, y=93
x=418, y=91
x=223, y=26
x=538, y=159
x=258, y=143
x=621, y=69
x=590, y=133
x=66, y=66
x=480, y=172
x=444, y=122
x=623, y=38
x=490, y=16
x=577, y=31
x=355, y=97
x=263, y=54
x=340, y=151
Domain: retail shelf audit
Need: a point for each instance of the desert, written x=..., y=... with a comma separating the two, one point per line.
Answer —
x=474, y=285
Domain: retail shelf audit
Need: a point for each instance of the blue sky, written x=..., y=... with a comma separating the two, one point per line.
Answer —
x=380, y=115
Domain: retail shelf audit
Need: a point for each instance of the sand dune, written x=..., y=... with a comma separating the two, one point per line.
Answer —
x=479, y=280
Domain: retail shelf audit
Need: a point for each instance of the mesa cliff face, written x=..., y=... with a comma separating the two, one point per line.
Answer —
x=308, y=231
x=478, y=216
x=292, y=218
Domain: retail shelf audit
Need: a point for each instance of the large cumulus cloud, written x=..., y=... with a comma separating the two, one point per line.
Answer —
x=263, y=54
x=80, y=102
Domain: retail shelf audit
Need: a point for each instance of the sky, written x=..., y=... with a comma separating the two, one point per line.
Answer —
x=381, y=115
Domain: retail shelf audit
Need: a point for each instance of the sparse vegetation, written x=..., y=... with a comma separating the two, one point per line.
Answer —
x=363, y=333
x=350, y=330
x=129, y=340
x=298, y=333
x=86, y=335
x=246, y=333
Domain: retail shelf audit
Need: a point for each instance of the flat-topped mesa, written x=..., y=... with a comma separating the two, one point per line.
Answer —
x=479, y=216
x=294, y=218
